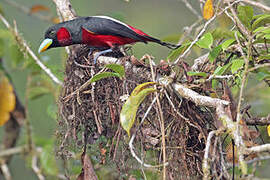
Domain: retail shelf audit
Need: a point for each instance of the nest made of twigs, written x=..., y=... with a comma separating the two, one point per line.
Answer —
x=94, y=111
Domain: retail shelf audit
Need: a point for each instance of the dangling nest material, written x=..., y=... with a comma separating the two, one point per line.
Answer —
x=94, y=111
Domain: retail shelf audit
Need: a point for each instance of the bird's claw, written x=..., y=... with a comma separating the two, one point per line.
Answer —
x=101, y=53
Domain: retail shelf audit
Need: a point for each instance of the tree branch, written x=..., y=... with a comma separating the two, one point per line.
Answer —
x=258, y=121
x=197, y=98
x=65, y=10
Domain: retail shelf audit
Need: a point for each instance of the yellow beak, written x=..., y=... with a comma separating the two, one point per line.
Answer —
x=45, y=45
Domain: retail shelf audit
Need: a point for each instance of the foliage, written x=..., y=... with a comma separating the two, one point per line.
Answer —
x=119, y=71
x=129, y=109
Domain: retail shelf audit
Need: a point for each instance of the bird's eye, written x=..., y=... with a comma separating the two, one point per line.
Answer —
x=52, y=33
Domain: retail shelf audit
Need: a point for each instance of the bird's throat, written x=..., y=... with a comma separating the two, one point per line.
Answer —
x=64, y=37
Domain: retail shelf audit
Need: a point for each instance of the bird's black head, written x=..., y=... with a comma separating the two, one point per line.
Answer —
x=56, y=36
x=51, y=33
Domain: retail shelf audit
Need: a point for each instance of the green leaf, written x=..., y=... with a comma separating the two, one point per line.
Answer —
x=174, y=38
x=221, y=33
x=261, y=20
x=16, y=55
x=245, y=14
x=262, y=41
x=237, y=64
x=1, y=10
x=103, y=75
x=263, y=57
x=227, y=43
x=43, y=141
x=47, y=160
x=6, y=34
x=214, y=83
x=52, y=111
x=117, y=68
x=191, y=73
x=214, y=53
x=129, y=109
x=220, y=70
x=262, y=33
x=267, y=36
x=38, y=91
x=265, y=30
x=2, y=47
x=262, y=75
x=176, y=53
x=205, y=41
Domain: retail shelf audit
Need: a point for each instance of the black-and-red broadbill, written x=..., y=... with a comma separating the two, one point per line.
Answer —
x=97, y=32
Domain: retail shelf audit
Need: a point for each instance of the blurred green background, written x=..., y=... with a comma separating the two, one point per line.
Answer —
x=159, y=18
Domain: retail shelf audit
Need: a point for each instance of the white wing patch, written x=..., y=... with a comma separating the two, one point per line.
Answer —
x=112, y=19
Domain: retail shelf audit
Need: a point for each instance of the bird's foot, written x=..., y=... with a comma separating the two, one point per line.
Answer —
x=91, y=50
x=101, y=53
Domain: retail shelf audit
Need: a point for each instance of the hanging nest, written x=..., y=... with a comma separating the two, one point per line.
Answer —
x=89, y=115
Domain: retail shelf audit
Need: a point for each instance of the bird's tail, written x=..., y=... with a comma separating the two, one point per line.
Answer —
x=168, y=45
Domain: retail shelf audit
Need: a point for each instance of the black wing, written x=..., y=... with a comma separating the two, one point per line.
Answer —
x=107, y=26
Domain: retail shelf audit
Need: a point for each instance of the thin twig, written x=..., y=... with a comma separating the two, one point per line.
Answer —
x=205, y=166
x=12, y=151
x=262, y=121
x=258, y=149
x=189, y=6
x=171, y=103
x=65, y=10
x=138, y=159
x=199, y=62
x=259, y=66
x=35, y=166
x=195, y=40
x=245, y=74
x=29, y=132
x=131, y=147
x=97, y=120
x=213, y=76
x=232, y=128
x=201, y=32
x=161, y=120
x=240, y=145
x=187, y=31
x=5, y=171
x=22, y=42
x=229, y=165
x=257, y=4
x=197, y=98
x=237, y=21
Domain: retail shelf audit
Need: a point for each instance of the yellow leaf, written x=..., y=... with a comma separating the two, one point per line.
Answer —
x=208, y=9
x=38, y=8
x=129, y=109
x=268, y=130
x=7, y=100
x=140, y=87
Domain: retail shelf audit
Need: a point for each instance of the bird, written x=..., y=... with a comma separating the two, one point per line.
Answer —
x=100, y=32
